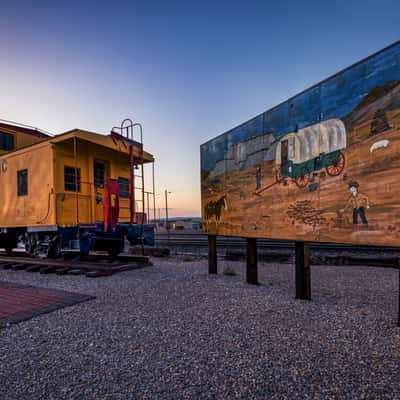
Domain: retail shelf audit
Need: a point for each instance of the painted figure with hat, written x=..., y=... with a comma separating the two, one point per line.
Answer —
x=358, y=202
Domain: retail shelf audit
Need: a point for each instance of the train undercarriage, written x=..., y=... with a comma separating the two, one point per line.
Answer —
x=55, y=241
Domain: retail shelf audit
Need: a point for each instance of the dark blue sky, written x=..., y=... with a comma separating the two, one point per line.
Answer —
x=187, y=70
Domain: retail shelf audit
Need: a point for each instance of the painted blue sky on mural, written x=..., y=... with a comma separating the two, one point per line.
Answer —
x=335, y=97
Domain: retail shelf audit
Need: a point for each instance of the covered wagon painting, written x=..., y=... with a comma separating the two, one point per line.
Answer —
x=316, y=147
x=286, y=173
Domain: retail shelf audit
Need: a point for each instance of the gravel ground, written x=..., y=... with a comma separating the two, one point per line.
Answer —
x=173, y=332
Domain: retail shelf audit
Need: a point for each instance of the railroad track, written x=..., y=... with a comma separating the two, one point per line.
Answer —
x=94, y=265
x=326, y=253
x=235, y=242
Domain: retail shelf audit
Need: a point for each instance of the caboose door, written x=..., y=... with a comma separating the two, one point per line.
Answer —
x=285, y=158
x=101, y=172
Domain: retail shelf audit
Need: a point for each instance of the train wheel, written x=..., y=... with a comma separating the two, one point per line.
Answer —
x=303, y=179
x=10, y=244
x=31, y=243
x=113, y=253
x=337, y=167
x=9, y=247
x=115, y=249
x=54, y=249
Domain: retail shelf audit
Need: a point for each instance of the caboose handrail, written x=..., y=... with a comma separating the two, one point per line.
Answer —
x=128, y=126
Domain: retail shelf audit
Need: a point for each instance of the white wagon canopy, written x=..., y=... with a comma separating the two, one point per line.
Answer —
x=312, y=141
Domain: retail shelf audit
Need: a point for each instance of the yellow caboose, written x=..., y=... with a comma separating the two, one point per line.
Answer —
x=79, y=189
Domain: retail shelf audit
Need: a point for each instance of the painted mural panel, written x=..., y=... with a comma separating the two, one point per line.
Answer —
x=322, y=166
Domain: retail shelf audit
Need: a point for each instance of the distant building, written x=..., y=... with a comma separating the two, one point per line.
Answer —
x=182, y=224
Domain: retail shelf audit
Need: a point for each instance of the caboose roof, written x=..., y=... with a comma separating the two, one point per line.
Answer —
x=113, y=142
x=27, y=130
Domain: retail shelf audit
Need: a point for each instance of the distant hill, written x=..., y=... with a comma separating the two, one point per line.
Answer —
x=385, y=97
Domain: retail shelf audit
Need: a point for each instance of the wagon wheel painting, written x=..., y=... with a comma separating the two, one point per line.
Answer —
x=337, y=167
x=303, y=179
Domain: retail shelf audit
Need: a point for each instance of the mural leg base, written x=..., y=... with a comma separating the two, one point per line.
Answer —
x=303, y=271
x=212, y=254
x=252, y=267
x=398, y=319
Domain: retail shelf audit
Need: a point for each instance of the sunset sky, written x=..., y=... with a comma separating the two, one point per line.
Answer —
x=187, y=71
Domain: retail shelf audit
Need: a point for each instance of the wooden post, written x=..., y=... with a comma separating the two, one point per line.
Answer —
x=398, y=319
x=212, y=254
x=251, y=270
x=303, y=271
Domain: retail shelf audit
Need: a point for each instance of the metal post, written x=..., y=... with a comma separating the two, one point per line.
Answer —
x=251, y=268
x=166, y=213
x=148, y=208
x=303, y=271
x=141, y=163
x=212, y=254
x=142, y=169
x=76, y=181
x=132, y=200
x=154, y=194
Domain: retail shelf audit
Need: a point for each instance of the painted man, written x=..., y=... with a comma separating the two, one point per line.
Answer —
x=358, y=202
x=258, y=178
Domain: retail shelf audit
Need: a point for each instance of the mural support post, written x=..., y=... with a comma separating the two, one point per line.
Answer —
x=252, y=268
x=212, y=254
x=303, y=271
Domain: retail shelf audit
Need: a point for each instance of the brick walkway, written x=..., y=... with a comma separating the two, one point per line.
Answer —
x=22, y=302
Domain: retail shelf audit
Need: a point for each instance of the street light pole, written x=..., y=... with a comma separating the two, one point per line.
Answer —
x=148, y=208
x=166, y=212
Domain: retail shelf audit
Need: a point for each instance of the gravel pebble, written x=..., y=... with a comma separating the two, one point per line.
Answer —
x=171, y=331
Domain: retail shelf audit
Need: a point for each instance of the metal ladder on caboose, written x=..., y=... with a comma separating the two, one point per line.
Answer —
x=127, y=130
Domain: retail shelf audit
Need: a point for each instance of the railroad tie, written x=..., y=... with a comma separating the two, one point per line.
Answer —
x=48, y=269
x=6, y=265
x=99, y=273
x=34, y=268
x=95, y=266
x=62, y=271
x=18, y=267
x=75, y=272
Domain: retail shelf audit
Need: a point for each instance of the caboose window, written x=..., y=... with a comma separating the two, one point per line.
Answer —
x=6, y=141
x=22, y=182
x=98, y=174
x=123, y=184
x=69, y=179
